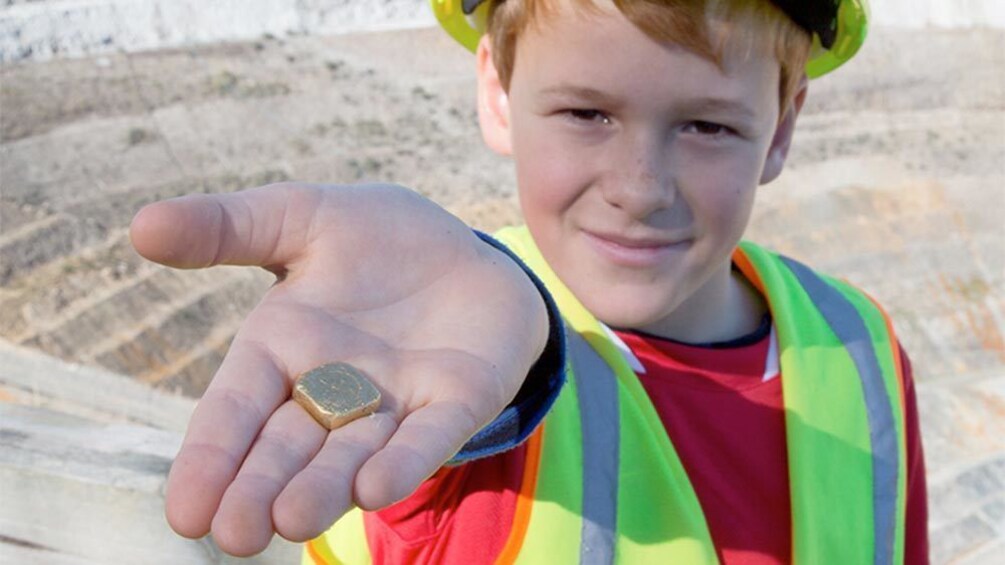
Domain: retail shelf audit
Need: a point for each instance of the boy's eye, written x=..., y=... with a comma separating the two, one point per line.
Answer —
x=707, y=128
x=582, y=115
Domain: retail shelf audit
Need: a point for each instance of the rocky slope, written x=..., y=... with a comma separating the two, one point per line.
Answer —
x=896, y=181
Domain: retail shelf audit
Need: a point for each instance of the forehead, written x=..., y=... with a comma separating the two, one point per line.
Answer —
x=597, y=48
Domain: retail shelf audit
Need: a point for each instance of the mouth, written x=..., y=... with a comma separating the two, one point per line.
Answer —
x=645, y=252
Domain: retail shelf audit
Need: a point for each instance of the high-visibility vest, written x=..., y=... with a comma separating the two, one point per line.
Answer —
x=602, y=482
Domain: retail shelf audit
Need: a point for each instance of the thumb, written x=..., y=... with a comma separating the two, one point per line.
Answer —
x=264, y=227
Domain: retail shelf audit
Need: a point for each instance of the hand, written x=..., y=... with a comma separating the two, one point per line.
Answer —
x=377, y=276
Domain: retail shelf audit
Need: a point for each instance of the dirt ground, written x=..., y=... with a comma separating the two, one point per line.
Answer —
x=896, y=182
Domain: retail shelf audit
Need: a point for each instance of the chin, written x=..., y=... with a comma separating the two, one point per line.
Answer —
x=628, y=312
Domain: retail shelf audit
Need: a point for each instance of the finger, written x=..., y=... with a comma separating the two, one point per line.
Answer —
x=264, y=227
x=322, y=491
x=423, y=442
x=243, y=523
x=245, y=391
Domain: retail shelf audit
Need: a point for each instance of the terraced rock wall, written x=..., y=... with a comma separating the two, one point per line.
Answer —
x=895, y=182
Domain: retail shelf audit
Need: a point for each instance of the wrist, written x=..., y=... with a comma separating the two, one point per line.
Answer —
x=541, y=385
x=545, y=321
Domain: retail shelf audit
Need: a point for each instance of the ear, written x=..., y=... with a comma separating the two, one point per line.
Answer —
x=493, y=102
x=779, y=149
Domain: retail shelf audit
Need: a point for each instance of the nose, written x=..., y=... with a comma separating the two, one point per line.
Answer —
x=640, y=182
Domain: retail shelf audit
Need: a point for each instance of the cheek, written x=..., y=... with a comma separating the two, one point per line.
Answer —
x=549, y=177
x=721, y=196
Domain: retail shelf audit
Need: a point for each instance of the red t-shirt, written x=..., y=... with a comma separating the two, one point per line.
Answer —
x=722, y=405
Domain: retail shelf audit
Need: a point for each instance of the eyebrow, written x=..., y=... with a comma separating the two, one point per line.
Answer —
x=698, y=104
x=724, y=105
x=582, y=93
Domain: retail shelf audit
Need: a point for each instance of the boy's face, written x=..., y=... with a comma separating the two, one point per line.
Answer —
x=637, y=164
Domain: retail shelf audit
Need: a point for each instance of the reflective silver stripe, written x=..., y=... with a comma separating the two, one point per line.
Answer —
x=597, y=391
x=844, y=319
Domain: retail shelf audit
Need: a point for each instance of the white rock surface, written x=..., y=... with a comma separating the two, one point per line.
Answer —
x=77, y=491
x=41, y=29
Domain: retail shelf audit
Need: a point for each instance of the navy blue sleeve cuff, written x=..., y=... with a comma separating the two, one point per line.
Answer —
x=538, y=393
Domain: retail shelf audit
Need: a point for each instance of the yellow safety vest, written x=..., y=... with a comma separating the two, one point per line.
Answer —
x=603, y=483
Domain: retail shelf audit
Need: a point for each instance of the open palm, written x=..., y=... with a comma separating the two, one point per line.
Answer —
x=445, y=325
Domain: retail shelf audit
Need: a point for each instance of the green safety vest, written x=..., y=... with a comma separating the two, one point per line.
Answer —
x=602, y=481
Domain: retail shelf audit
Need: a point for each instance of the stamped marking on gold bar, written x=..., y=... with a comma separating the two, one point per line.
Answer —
x=336, y=394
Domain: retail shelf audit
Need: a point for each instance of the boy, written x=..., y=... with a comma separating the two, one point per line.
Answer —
x=639, y=132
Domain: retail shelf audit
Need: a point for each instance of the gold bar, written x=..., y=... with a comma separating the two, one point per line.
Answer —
x=336, y=394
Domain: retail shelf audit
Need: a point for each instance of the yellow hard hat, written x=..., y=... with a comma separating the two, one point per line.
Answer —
x=838, y=27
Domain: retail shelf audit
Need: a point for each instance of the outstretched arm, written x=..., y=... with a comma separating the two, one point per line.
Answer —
x=444, y=324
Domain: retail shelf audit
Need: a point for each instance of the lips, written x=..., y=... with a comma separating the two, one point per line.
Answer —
x=634, y=252
x=633, y=243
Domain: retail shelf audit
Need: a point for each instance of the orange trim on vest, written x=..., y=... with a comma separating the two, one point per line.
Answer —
x=524, y=501
x=741, y=260
x=320, y=553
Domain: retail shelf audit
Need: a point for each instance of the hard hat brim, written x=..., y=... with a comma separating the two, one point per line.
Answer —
x=852, y=26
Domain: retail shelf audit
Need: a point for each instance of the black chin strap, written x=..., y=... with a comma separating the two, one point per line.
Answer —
x=815, y=16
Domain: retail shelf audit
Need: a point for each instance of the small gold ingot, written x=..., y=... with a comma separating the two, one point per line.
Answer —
x=336, y=394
